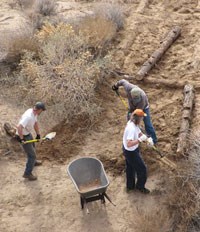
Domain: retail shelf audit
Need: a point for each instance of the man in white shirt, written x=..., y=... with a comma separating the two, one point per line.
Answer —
x=134, y=164
x=27, y=123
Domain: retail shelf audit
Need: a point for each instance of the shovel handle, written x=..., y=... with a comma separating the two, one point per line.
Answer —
x=156, y=149
x=33, y=140
x=122, y=100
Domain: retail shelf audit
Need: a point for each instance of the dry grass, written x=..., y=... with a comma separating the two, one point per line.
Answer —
x=152, y=219
x=184, y=197
x=45, y=7
x=98, y=31
x=112, y=12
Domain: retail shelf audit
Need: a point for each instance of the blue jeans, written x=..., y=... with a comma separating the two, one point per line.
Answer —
x=135, y=166
x=29, y=149
x=148, y=125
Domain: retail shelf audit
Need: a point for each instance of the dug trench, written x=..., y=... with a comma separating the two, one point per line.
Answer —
x=103, y=138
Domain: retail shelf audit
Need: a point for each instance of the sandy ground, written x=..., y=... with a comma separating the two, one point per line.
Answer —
x=52, y=203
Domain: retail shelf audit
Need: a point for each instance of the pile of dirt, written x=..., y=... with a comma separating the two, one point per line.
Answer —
x=68, y=141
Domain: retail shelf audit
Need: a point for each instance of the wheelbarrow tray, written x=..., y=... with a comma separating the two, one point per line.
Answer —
x=88, y=176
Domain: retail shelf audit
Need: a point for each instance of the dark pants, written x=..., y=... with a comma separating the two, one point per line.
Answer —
x=135, y=166
x=29, y=149
x=148, y=125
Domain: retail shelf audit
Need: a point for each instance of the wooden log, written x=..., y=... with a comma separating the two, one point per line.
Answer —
x=186, y=118
x=155, y=57
x=155, y=82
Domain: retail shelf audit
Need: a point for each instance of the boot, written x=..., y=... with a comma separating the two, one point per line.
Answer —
x=144, y=190
x=30, y=177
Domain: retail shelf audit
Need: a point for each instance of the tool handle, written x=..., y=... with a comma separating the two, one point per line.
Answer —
x=156, y=149
x=33, y=140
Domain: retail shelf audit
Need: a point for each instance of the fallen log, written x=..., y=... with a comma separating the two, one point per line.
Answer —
x=10, y=130
x=155, y=82
x=186, y=118
x=156, y=56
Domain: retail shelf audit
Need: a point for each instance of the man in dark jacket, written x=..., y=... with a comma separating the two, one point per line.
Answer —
x=137, y=99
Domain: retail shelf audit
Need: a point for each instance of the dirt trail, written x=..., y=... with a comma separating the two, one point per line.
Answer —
x=52, y=203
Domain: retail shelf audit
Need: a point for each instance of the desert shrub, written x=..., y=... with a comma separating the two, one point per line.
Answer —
x=45, y=7
x=65, y=75
x=15, y=43
x=184, y=197
x=112, y=12
x=98, y=32
x=38, y=11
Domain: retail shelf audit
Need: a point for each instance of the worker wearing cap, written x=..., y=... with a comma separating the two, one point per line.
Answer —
x=27, y=123
x=134, y=164
x=137, y=99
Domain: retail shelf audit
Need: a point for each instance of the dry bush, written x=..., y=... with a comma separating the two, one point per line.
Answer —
x=112, y=12
x=184, y=197
x=41, y=12
x=15, y=43
x=66, y=74
x=38, y=11
x=45, y=7
x=98, y=31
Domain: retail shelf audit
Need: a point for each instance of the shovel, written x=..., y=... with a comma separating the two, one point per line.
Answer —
x=49, y=136
x=122, y=100
x=165, y=159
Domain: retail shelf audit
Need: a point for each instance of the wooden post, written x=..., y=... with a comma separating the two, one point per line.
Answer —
x=186, y=118
x=156, y=56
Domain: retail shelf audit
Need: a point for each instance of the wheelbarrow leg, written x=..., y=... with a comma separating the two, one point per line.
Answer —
x=82, y=202
x=102, y=198
x=108, y=198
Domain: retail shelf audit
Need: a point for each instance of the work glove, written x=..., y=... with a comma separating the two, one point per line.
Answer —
x=38, y=136
x=19, y=139
x=150, y=142
x=22, y=141
x=142, y=138
x=115, y=88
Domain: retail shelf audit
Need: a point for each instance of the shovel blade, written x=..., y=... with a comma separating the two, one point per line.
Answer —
x=50, y=135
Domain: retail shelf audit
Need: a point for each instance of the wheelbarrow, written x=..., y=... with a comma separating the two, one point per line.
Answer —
x=90, y=180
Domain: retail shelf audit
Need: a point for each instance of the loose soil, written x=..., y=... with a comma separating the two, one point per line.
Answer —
x=51, y=203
